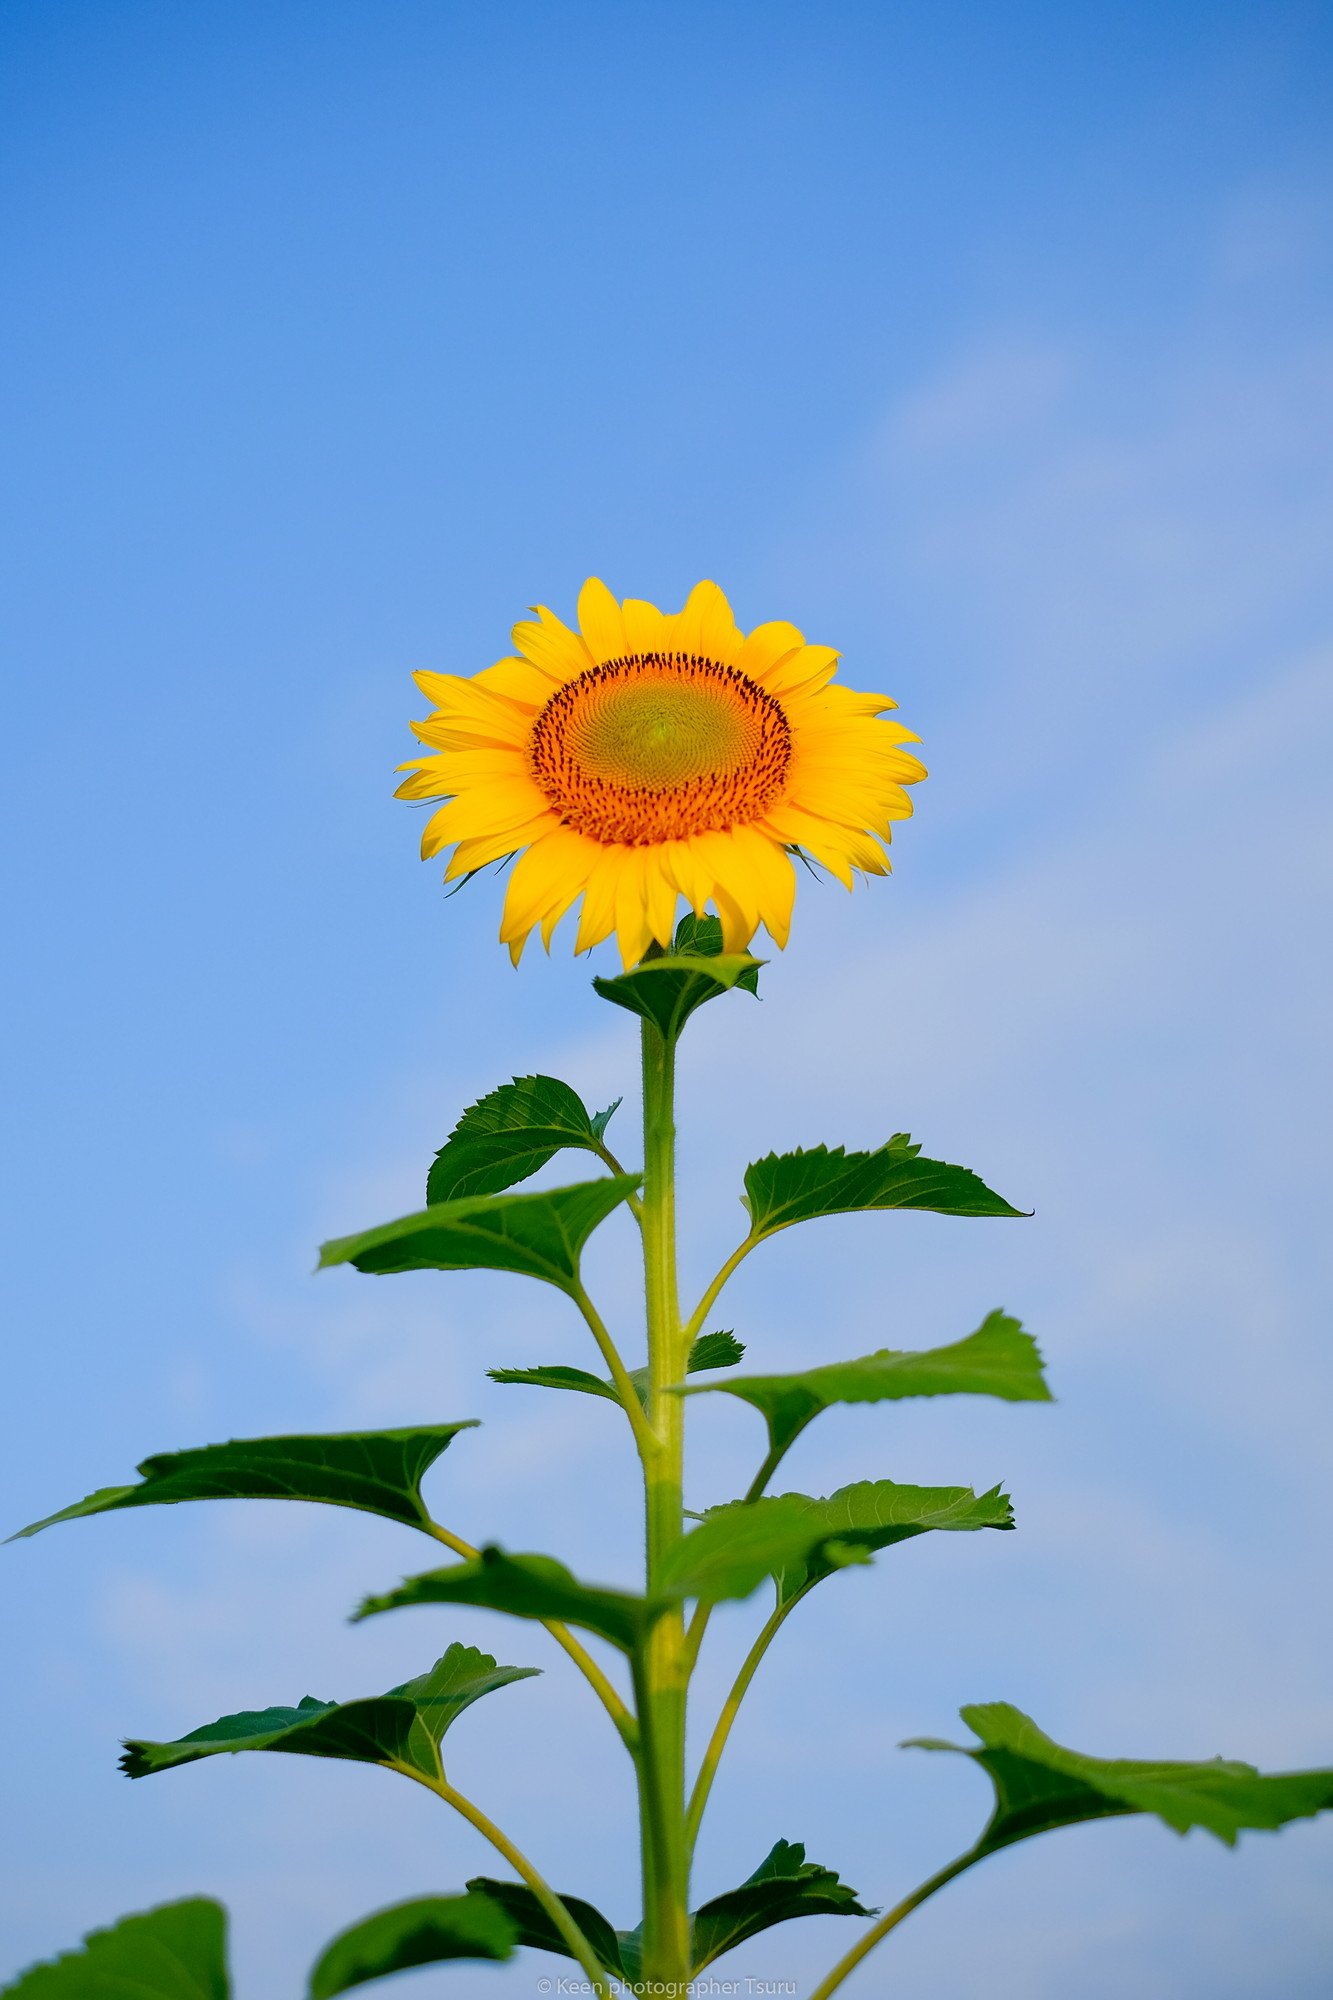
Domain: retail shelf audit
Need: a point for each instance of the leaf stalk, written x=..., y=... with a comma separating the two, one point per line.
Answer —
x=890, y=1921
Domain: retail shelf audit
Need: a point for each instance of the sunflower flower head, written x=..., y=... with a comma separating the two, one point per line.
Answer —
x=650, y=756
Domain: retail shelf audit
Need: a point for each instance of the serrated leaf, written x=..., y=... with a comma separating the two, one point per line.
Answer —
x=1039, y=1785
x=784, y=1188
x=527, y=1586
x=667, y=990
x=710, y=1350
x=715, y=1350
x=797, y=1540
x=999, y=1359
x=403, y=1727
x=784, y=1885
x=557, y=1376
x=377, y=1472
x=535, y=1235
x=426, y=1931
x=534, y=1928
x=175, y=1952
x=509, y=1134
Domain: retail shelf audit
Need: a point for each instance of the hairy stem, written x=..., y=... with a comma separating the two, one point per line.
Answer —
x=578, y=1945
x=889, y=1922
x=662, y=1672
x=638, y=1422
x=608, y=1158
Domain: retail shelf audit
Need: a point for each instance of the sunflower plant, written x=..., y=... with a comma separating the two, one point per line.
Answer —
x=633, y=764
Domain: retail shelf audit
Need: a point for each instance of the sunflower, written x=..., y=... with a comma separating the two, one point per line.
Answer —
x=651, y=755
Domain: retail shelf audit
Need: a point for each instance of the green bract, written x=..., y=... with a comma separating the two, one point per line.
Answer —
x=655, y=1630
x=665, y=991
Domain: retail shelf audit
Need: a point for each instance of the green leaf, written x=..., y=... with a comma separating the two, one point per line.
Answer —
x=667, y=990
x=1039, y=1785
x=527, y=1586
x=715, y=1350
x=536, y=1235
x=697, y=937
x=785, y=1188
x=175, y=1952
x=784, y=1885
x=379, y=1472
x=534, y=1928
x=710, y=1350
x=402, y=1728
x=425, y=1931
x=558, y=1377
x=999, y=1359
x=509, y=1134
x=797, y=1540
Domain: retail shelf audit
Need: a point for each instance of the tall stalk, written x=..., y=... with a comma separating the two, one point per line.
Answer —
x=662, y=1672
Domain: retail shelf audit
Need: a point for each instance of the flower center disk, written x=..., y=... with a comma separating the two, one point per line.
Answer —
x=657, y=746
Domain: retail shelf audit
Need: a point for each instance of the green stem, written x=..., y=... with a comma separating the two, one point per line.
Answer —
x=609, y=1159
x=578, y=1653
x=662, y=1672
x=694, y=1638
x=889, y=1922
x=710, y=1297
x=578, y=1945
x=703, y=1784
x=772, y=1460
x=610, y=1353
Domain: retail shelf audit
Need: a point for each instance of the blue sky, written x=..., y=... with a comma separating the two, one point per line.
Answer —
x=994, y=346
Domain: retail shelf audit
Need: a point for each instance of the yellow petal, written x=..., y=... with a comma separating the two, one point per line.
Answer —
x=766, y=646
x=660, y=895
x=645, y=627
x=632, y=931
x=519, y=680
x=597, y=919
x=425, y=781
x=774, y=879
x=803, y=671
x=688, y=872
x=728, y=861
x=737, y=929
x=546, y=878
x=470, y=707
x=495, y=808
x=600, y=621
x=550, y=645
x=817, y=836
x=469, y=855
x=707, y=625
